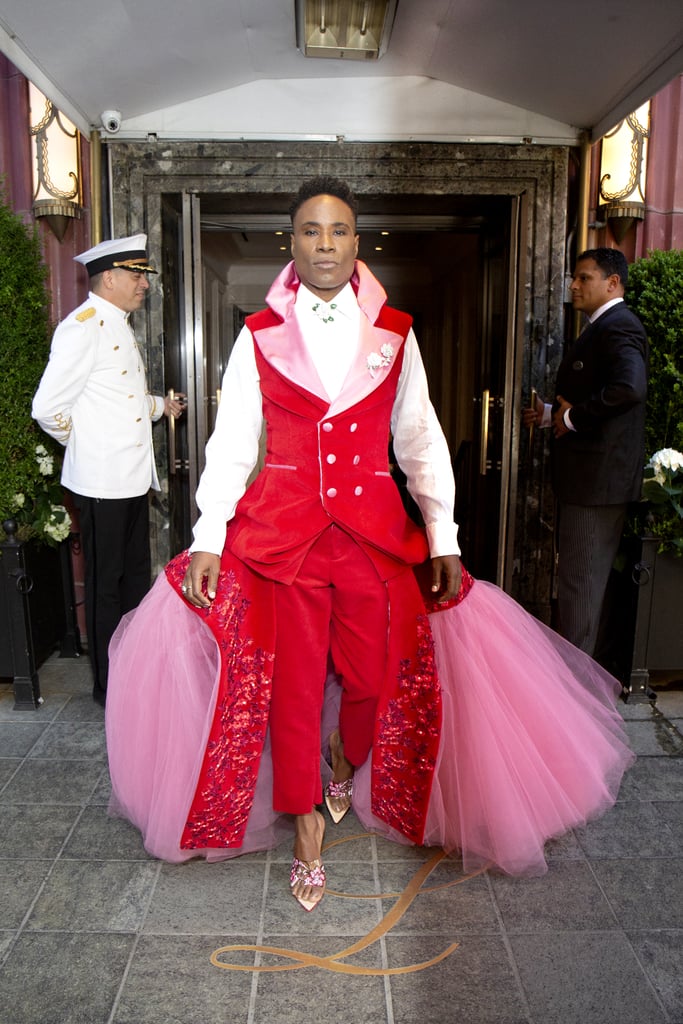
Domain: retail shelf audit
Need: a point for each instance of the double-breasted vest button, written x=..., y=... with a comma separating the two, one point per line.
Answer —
x=327, y=427
x=353, y=428
x=358, y=491
x=577, y=365
x=331, y=492
x=331, y=458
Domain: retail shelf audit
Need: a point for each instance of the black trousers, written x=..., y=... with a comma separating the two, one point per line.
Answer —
x=115, y=539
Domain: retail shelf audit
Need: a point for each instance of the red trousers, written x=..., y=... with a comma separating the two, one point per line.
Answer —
x=337, y=606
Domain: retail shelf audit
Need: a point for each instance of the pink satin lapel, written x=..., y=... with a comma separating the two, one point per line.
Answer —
x=284, y=348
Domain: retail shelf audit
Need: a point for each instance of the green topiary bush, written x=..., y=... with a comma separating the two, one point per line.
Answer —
x=655, y=294
x=29, y=460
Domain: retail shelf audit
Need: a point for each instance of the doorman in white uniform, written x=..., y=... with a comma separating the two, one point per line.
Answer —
x=93, y=399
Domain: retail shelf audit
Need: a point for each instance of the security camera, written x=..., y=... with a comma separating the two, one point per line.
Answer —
x=111, y=121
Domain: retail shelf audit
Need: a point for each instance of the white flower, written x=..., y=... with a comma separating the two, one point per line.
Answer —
x=668, y=458
x=664, y=462
x=40, y=450
x=377, y=360
x=59, y=523
x=18, y=500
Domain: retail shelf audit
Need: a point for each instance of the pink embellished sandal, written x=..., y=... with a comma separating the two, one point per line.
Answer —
x=338, y=794
x=338, y=798
x=308, y=873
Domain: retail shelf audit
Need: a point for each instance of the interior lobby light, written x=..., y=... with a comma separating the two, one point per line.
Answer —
x=623, y=167
x=344, y=29
x=56, y=154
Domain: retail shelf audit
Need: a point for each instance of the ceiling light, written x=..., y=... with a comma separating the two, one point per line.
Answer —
x=344, y=29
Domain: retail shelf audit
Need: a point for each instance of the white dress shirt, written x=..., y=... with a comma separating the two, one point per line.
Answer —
x=233, y=448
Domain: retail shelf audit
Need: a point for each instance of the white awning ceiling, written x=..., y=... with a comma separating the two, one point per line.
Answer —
x=454, y=70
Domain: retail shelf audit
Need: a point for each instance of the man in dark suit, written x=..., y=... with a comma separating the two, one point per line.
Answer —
x=598, y=423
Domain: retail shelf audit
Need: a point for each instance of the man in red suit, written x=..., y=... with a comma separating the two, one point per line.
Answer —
x=335, y=374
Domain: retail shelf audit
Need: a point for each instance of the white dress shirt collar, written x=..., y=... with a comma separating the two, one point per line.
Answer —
x=603, y=309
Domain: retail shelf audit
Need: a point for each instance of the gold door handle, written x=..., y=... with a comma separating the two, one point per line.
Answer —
x=484, y=441
x=532, y=405
x=171, y=438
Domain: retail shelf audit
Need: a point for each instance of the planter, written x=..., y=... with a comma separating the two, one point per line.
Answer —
x=645, y=620
x=37, y=611
x=658, y=632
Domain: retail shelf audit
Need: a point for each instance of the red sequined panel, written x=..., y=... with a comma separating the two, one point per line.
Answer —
x=225, y=790
x=409, y=722
x=409, y=732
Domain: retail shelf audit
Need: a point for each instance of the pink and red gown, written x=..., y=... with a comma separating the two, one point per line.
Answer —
x=531, y=743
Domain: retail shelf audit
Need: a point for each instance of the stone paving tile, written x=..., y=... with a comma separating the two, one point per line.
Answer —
x=631, y=829
x=97, y=836
x=567, y=897
x=644, y=894
x=34, y=831
x=50, y=781
x=661, y=956
x=172, y=980
x=18, y=737
x=63, y=978
x=94, y=896
x=21, y=880
x=8, y=767
x=584, y=978
x=475, y=984
x=72, y=741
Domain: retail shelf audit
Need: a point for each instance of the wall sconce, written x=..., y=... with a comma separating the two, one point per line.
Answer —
x=56, y=152
x=623, y=168
x=344, y=29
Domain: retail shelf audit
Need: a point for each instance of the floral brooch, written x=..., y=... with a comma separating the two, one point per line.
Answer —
x=377, y=360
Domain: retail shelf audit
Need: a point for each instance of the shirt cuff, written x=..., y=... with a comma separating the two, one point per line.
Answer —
x=209, y=536
x=443, y=539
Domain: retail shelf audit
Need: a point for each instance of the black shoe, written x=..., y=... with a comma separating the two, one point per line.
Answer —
x=99, y=696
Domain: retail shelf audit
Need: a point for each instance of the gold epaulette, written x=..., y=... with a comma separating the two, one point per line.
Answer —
x=85, y=314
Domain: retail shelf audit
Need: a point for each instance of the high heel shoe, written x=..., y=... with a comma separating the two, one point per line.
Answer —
x=338, y=791
x=308, y=873
x=338, y=794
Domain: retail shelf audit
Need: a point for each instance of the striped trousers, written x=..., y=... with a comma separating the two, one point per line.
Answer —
x=588, y=540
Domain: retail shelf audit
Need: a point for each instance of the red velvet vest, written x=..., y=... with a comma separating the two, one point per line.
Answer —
x=321, y=470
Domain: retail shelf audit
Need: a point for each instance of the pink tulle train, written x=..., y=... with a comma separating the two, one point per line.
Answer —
x=532, y=744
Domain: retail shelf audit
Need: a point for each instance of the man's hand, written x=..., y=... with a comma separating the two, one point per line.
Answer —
x=532, y=416
x=175, y=406
x=203, y=566
x=559, y=426
x=446, y=577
